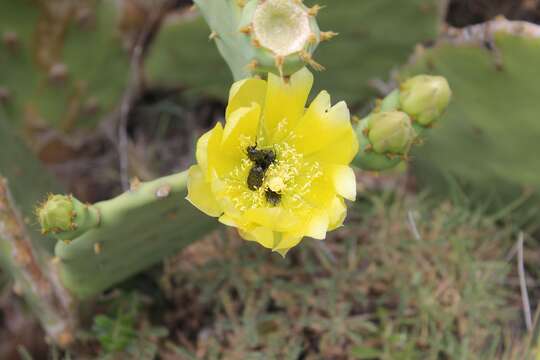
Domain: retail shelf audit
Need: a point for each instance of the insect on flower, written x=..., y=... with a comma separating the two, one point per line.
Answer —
x=277, y=171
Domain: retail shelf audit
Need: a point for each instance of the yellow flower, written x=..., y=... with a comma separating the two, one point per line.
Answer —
x=277, y=171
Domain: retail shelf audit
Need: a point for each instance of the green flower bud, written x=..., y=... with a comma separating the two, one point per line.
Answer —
x=66, y=217
x=425, y=98
x=391, y=132
x=56, y=214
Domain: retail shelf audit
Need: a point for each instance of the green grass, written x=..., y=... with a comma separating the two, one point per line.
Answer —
x=372, y=290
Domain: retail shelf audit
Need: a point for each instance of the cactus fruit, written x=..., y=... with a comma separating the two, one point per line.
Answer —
x=425, y=97
x=391, y=132
x=63, y=64
x=489, y=139
x=388, y=133
x=276, y=36
x=374, y=37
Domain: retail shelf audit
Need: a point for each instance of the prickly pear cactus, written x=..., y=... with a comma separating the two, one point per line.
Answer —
x=104, y=243
x=488, y=142
x=62, y=63
x=28, y=180
x=374, y=37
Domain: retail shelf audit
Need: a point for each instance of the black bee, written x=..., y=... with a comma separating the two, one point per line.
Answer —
x=255, y=177
x=272, y=197
x=262, y=159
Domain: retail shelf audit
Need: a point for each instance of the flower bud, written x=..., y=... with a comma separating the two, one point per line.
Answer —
x=391, y=132
x=66, y=217
x=56, y=214
x=425, y=98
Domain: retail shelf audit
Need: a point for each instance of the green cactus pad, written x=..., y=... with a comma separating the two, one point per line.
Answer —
x=61, y=71
x=29, y=181
x=488, y=141
x=136, y=230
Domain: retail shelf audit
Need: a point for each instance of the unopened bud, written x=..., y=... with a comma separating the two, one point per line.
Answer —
x=391, y=132
x=425, y=98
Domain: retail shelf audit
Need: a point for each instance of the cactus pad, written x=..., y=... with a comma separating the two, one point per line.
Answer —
x=489, y=138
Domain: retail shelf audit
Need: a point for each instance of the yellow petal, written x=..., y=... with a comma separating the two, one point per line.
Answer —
x=344, y=180
x=336, y=213
x=262, y=235
x=228, y=220
x=241, y=131
x=318, y=130
x=285, y=102
x=217, y=160
x=201, y=152
x=274, y=218
x=245, y=92
x=200, y=194
x=287, y=242
x=342, y=151
x=322, y=191
x=318, y=226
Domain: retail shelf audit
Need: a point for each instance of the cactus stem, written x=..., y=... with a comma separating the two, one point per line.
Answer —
x=328, y=35
x=163, y=191
x=306, y=57
x=314, y=10
x=213, y=35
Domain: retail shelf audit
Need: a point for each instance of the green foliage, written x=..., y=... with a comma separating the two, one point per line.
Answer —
x=62, y=64
x=374, y=37
x=117, y=332
x=121, y=331
x=487, y=143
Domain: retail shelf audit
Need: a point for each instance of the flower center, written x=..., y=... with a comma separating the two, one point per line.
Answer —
x=285, y=182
